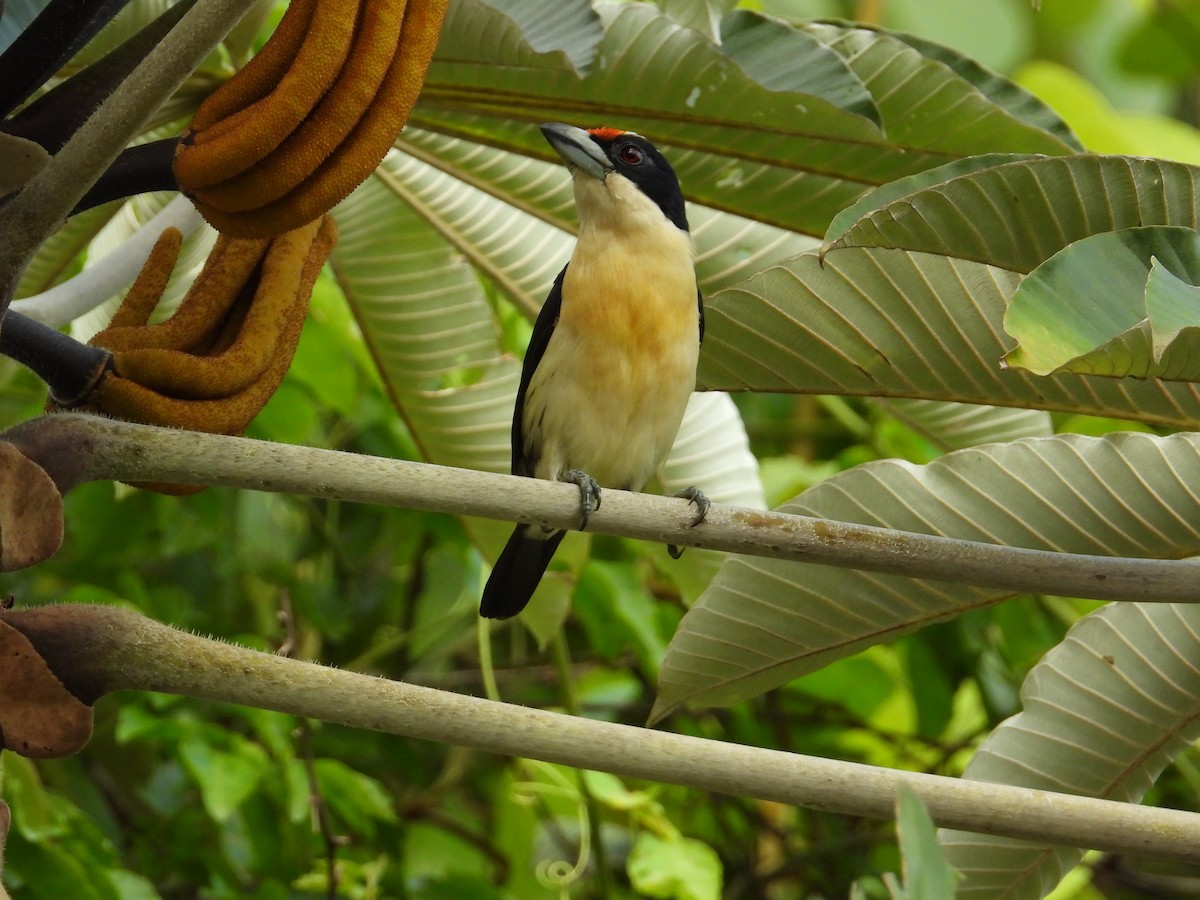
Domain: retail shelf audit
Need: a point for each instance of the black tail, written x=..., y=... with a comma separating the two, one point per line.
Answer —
x=517, y=573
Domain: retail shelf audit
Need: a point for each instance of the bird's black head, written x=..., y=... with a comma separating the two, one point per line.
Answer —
x=600, y=151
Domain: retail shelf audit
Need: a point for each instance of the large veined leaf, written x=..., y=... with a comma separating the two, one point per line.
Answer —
x=763, y=622
x=424, y=312
x=924, y=104
x=1019, y=102
x=1118, y=303
x=953, y=426
x=781, y=57
x=1018, y=215
x=713, y=453
x=700, y=15
x=903, y=187
x=787, y=146
x=1103, y=714
x=710, y=452
x=890, y=323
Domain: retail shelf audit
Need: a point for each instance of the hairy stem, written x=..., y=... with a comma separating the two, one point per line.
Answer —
x=137, y=653
x=74, y=448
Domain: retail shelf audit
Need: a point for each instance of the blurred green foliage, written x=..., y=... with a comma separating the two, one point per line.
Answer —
x=189, y=799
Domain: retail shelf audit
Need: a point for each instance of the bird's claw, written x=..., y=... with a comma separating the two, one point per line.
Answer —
x=696, y=497
x=589, y=494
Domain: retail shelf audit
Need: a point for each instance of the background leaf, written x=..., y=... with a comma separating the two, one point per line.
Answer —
x=892, y=323
x=1103, y=714
x=1087, y=308
x=763, y=622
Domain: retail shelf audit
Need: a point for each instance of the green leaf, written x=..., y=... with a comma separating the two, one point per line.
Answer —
x=572, y=29
x=745, y=133
x=1105, y=128
x=1104, y=713
x=903, y=187
x=361, y=802
x=609, y=790
x=927, y=875
x=1015, y=99
x=712, y=452
x=619, y=613
x=763, y=622
x=1173, y=308
x=35, y=815
x=225, y=779
x=953, y=426
x=52, y=872
x=679, y=868
x=890, y=323
x=926, y=105
x=1112, y=304
x=425, y=315
x=783, y=58
x=859, y=684
x=1162, y=45
x=1018, y=215
x=700, y=15
x=130, y=886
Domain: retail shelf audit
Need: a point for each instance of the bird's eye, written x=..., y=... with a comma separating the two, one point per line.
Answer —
x=630, y=154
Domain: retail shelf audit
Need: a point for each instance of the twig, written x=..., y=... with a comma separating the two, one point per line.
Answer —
x=75, y=448
x=322, y=821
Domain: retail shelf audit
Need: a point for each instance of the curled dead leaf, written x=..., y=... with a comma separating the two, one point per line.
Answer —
x=39, y=717
x=31, y=511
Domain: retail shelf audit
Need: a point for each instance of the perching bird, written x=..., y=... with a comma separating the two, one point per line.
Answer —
x=612, y=360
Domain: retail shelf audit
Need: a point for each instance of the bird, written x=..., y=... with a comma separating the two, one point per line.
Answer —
x=612, y=359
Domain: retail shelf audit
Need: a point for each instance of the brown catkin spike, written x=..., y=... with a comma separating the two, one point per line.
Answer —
x=366, y=146
x=330, y=123
x=147, y=289
x=127, y=399
x=257, y=341
x=232, y=262
x=262, y=126
x=263, y=72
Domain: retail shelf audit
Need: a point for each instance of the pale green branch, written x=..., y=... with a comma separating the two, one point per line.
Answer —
x=154, y=657
x=87, y=448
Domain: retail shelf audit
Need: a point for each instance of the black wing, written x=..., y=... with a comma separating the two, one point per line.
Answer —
x=700, y=304
x=525, y=458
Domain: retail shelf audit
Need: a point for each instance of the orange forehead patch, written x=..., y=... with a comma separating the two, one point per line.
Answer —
x=605, y=134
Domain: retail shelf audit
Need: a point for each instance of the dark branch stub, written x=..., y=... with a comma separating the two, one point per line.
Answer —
x=71, y=370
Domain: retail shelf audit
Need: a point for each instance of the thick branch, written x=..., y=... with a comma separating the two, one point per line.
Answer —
x=74, y=448
x=138, y=653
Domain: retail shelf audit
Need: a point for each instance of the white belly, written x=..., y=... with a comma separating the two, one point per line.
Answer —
x=611, y=410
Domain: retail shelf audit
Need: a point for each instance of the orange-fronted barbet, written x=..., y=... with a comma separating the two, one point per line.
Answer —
x=612, y=359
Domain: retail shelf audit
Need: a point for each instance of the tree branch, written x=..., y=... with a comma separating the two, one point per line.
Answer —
x=117, y=649
x=76, y=448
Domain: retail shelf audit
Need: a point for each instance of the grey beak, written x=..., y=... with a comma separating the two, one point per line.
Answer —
x=577, y=149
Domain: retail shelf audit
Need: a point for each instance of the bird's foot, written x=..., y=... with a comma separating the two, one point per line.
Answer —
x=696, y=497
x=589, y=493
